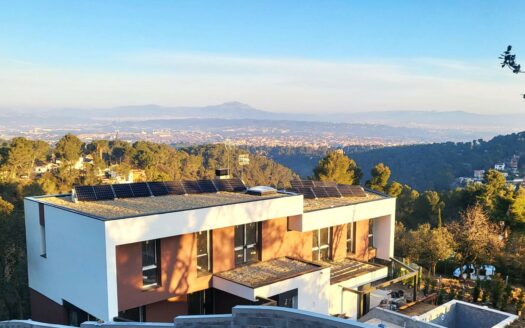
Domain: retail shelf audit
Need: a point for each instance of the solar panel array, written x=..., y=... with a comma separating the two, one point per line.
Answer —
x=149, y=189
x=322, y=189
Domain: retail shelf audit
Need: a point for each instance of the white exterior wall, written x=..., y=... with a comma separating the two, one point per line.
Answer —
x=75, y=267
x=313, y=290
x=330, y=217
x=384, y=233
x=346, y=302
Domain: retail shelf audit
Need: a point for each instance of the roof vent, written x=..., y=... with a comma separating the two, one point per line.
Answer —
x=261, y=191
x=222, y=173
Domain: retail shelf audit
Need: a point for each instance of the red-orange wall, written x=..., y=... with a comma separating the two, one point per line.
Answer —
x=165, y=311
x=278, y=242
x=179, y=260
x=178, y=272
x=223, y=249
x=361, y=235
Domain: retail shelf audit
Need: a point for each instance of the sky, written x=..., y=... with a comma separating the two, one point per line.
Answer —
x=281, y=56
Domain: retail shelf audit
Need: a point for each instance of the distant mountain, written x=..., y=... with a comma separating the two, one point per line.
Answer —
x=451, y=120
x=453, y=125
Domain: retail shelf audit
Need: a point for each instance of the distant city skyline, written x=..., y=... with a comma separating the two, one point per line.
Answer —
x=293, y=56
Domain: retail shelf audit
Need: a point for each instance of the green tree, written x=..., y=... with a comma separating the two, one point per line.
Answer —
x=6, y=208
x=379, y=180
x=429, y=246
x=69, y=148
x=517, y=209
x=336, y=166
x=497, y=286
x=394, y=189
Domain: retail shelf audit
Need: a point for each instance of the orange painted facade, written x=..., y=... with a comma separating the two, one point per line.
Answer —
x=178, y=261
x=178, y=277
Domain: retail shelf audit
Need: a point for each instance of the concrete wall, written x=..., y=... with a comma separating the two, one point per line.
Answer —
x=242, y=316
x=459, y=314
x=396, y=318
x=75, y=267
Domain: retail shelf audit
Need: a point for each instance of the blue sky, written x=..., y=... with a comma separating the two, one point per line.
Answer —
x=288, y=56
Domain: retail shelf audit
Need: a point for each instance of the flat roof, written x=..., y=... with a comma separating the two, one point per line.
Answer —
x=348, y=268
x=142, y=206
x=311, y=204
x=260, y=274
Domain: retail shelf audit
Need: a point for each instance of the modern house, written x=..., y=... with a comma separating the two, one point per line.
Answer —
x=153, y=251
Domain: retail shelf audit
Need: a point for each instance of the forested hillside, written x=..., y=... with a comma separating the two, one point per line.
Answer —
x=434, y=166
x=424, y=167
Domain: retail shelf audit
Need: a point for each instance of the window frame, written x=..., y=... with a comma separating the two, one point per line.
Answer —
x=317, y=249
x=207, y=254
x=351, y=238
x=245, y=247
x=371, y=233
x=156, y=265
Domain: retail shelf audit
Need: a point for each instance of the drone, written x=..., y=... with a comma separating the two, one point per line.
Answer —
x=509, y=60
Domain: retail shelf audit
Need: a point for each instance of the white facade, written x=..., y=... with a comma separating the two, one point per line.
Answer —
x=80, y=264
x=313, y=289
x=346, y=302
x=74, y=268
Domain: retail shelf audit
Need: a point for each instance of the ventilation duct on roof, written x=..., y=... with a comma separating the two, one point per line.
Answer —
x=261, y=191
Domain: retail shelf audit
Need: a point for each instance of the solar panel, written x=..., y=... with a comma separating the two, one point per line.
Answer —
x=174, y=188
x=158, y=188
x=332, y=192
x=325, y=183
x=351, y=190
x=320, y=192
x=307, y=192
x=191, y=187
x=296, y=183
x=231, y=185
x=308, y=183
x=237, y=184
x=140, y=189
x=85, y=193
x=104, y=192
x=207, y=186
x=122, y=190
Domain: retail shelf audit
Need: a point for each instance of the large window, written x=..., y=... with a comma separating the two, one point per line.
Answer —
x=350, y=238
x=371, y=233
x=203, y=251
x=246, y=243
x=150, y=263
x=321, y=244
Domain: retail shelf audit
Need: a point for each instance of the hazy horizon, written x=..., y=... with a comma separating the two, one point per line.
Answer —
x=293, y=57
